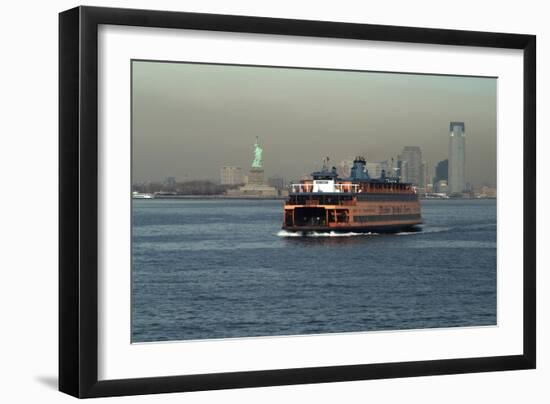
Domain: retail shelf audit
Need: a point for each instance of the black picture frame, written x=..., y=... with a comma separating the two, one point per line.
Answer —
x=78, y=201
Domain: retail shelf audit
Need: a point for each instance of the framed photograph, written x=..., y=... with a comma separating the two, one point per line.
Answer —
x=250, y=201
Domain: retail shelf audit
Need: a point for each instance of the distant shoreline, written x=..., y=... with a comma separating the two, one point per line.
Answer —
x=280, y=198
x=216, y=197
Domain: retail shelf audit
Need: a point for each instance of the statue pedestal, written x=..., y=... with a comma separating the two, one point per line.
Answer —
x=256, y=187
x=256, y=176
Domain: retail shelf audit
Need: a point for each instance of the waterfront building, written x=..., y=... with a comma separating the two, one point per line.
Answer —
x=457, y=158
x=441, y=187
x=402, y=169
x=170, y=183
x=343, y=168
x=393, y=170
x=441, y=171
x=427, y=169
x=375, y=168
x=411, y=165
x=276, y=182
x=487, y=192
x=231, y=175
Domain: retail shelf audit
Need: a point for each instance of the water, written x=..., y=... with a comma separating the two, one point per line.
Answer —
x=222, y=269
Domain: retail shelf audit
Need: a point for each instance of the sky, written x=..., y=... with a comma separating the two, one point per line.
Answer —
x=189, y=120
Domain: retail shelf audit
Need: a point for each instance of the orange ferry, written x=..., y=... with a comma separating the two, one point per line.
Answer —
x=356, y=204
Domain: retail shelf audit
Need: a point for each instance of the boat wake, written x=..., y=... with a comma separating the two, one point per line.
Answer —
x=284, y=233
x=423, y=230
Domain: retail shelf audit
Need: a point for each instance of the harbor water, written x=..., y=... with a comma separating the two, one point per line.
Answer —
x=222, y=268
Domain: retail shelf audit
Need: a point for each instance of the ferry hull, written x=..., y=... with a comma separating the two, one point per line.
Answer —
x=380, y=228
x=359, y=217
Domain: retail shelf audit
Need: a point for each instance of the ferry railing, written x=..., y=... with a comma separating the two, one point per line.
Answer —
x=338, y=188
x=353, y=188
x=301, y=188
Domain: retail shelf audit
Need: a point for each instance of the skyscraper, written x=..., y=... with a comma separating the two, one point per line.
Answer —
x=411, y=167
x=442, y=171
x=457, y=158
x=441, y=177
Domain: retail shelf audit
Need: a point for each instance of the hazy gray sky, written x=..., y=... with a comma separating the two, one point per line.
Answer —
x=191, y=119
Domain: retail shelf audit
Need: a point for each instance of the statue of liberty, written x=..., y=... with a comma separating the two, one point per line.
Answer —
x=257, y=162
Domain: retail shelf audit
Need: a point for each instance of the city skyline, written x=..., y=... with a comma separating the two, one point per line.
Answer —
x=189, y=120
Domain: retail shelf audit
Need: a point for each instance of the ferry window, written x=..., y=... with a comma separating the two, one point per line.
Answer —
x=341, y=216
